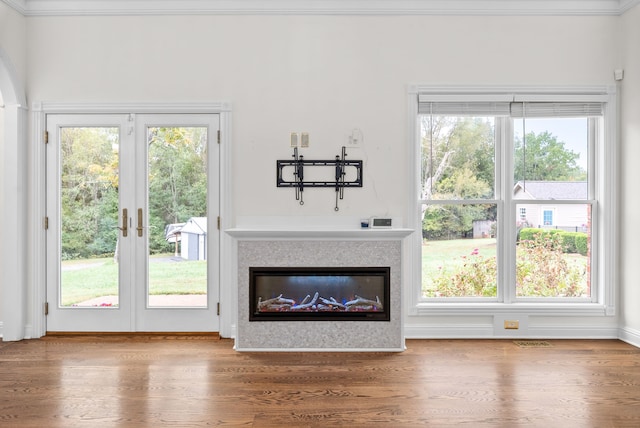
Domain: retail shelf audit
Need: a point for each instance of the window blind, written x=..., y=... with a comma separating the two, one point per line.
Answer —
x=545, y=109
x=464, y=109
x=473, y=105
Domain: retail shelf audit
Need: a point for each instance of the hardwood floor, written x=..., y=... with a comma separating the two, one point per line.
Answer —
x=189, y=381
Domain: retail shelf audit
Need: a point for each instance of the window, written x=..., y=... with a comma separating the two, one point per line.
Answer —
x=511, y=196
x=523, y=214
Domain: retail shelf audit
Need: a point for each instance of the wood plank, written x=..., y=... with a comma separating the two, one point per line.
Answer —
x=196, y=380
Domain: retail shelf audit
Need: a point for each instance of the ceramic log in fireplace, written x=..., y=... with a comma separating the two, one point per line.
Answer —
x=319, y=293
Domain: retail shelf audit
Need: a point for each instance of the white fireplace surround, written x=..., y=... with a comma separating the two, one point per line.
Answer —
x=317, y=247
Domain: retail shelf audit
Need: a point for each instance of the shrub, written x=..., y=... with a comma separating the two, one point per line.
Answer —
x=529, y=233
x=526, y=234
x=542, y=271
x=582, y=244
x=568, y=240
x=571, y=242
x=475, y=277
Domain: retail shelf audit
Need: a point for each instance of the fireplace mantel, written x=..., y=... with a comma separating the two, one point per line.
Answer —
x=277, y=228
x=277, y=234
x=328, y=246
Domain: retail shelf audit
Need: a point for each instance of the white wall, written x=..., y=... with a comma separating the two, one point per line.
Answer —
x=1, y=192
x=630, y=174
x=13, y=39
x=318, y=74
x=325, y=75
x=12, y=75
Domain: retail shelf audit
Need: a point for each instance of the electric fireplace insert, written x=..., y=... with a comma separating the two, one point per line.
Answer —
x=319, y=293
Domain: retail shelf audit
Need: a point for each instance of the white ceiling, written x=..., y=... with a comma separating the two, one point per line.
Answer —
x=321, y=7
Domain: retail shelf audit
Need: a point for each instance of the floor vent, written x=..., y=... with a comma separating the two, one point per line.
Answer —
x=532, y=343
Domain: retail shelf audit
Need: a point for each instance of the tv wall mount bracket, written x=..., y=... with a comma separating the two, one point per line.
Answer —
x=339, y=164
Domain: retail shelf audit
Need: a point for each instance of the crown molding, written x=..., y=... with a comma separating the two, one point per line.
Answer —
x=625, y=5
x=320, y=7
x=18, y=5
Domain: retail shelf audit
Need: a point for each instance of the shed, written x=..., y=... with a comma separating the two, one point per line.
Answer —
x=194, y=239
x=172, y=235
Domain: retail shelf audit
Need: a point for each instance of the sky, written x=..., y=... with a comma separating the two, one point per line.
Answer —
x=571, y=131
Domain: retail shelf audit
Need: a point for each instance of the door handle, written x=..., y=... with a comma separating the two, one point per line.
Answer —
x=125, y=222
x=139, y=228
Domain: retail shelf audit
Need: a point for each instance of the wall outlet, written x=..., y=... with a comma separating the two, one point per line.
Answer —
x=294, y=139
x=304, y=139
x=511, y=324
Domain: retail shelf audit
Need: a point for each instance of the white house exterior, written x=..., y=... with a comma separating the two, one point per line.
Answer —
x=567, y=217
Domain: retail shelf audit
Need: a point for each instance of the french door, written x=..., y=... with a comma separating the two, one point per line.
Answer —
x=132, y=206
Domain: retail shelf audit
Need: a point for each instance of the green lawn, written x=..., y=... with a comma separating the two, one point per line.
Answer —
x=87, y=279
x=442, y=253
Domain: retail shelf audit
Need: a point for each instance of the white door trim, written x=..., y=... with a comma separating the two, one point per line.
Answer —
x=37, y=213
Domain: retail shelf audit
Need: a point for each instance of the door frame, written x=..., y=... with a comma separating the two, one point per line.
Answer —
x=37, y=261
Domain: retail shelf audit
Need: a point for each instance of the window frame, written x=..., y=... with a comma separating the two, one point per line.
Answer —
x=602, y=191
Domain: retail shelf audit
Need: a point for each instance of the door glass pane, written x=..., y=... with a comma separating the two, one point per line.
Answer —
x=89, y=217
x=177, y=220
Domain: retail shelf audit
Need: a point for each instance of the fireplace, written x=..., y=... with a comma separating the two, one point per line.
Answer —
x=319, y=294
x=334, y=254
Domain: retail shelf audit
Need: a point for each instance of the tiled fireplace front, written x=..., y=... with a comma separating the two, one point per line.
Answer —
x=309, y=334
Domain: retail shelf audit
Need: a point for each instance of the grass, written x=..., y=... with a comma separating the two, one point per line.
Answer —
x=185, y=277
x=86, y=279
x=443, y=253
x=91, y=278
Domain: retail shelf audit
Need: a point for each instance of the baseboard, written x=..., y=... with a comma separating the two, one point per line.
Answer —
x=629, y=335
x=573, y=332
x=132, y=335
x=487, y=331
x=457, y=331
x=316, y=350
x=28, y=332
